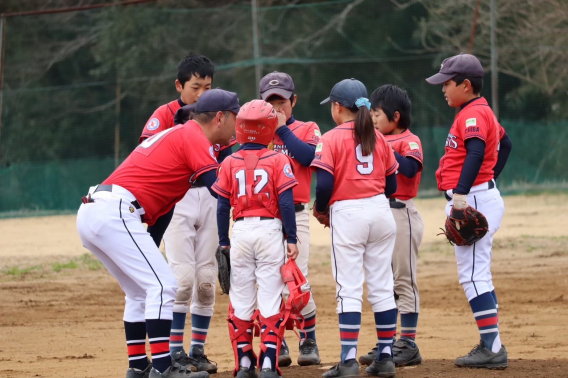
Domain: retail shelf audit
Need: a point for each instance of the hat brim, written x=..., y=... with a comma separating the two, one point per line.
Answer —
x=440, y=78
x=325, y=101
x=278, y=92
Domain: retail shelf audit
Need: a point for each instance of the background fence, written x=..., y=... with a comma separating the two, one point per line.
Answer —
x=80, y=86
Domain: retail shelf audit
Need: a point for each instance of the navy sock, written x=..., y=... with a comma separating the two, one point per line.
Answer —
x=199, y=329
x=159, y=337
x=408, y=324
x=136, y=344
x=485, y=313
x=349, y=326
x=495, y=299
x=177, y=331
x=385, y=322
x=310, y=326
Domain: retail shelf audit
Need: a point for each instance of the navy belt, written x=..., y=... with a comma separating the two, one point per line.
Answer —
x=490, y=185
x=261, y=218
x=299, y=207
x=394, y=204
x=198, y=184
x=108, y=188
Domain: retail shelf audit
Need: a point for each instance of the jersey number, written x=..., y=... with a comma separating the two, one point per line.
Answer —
x=147, y=143
x=260, y=183
x=366, y=166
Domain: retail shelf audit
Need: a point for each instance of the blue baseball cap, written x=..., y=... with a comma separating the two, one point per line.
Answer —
x=346, y=93
x=462, y=64
x=217, y=100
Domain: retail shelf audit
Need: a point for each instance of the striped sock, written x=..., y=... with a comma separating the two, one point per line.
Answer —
x=310, y=326
x=159, y=337
x=494, y=295
x=268, y=357
x=385, y=322
x=408, y=324
x=394, y=337
x=485, y=313
x=176, y=333
x=199, y=329
x=136, y=344
x=349, y=325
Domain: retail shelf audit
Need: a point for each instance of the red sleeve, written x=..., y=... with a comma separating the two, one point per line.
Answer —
x=324, y=155
x=199, y=155
x=283, y=174
x=412, y=148
x=231, y=144
x=223, y=183
x=313, y=134
x=474, y=125
x=502, y=132
x=158, y=122
x=391, y=165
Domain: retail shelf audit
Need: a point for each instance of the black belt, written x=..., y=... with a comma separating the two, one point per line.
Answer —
x=490, y=185
x=261, y=218
x=299, y=207
x=198, y=184
x=394, y=204
x=108, y=188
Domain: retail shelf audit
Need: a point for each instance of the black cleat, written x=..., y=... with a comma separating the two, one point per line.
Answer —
x=343, y=370
x=383, y=368
x=284, y=357
x=309, y=353
x=482, y=358
x=203, y=363
x=406, y=354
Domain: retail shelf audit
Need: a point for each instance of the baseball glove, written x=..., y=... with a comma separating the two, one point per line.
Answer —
x=224, y=263
x=323, y=218
x=465, y=226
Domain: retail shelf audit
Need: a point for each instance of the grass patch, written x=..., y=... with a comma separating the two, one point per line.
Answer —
x=58, y=267
x=88, y=261
x=17, y=272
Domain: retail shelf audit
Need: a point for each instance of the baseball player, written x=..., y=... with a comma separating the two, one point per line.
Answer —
x=191, y=236
x=476, y=151
x=156, y=175
x=355, y=174
x=390, y=109
x=257, y=183
x=298, y=141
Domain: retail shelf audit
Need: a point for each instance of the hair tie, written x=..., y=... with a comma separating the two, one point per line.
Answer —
x=363, y=102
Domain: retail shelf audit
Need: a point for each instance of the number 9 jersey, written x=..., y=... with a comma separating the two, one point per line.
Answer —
x=356, y=176
x=272, y=175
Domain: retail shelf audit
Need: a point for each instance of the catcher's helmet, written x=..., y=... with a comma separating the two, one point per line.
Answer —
x=256, y=123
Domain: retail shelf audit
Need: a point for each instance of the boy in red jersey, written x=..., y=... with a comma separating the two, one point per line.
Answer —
x=476, y=151
x=391, y=109
x=257, y=183
x=355, y=174
x=298, y=141
x=156, y=175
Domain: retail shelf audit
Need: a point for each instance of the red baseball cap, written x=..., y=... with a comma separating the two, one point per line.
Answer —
x=463, y=64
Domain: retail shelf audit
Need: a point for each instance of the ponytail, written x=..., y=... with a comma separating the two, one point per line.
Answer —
x=364, y=128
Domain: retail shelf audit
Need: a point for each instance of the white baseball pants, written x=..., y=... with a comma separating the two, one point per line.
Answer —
x=190, y=242
x=257, y=254
x=112, y=230
x=363, y=233
x=474, y=261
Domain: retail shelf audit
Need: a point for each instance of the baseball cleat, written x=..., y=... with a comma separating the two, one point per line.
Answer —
x=284, y=357
x=309, y=353
x=203, y=363
x=482, y=358
x=245, y=372
x=383, y=368
x=269, y=373
x=347, y=369
x=137, y=373
x=178, y=371
x=368, y=358
x=406, y=353
x=180, y=357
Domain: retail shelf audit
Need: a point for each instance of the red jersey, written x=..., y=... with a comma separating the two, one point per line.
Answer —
x=273, y=175
x=356, y=175
x=408, y=145
x=161, y=169
x=308, y=132
x=162, y=119
x=475, y=120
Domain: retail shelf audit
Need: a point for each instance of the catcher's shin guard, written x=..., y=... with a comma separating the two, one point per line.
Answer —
x=241, y=333
x=271, y=335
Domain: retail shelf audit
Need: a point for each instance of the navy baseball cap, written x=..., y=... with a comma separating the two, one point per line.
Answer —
x=347, y=92
x=217, y=100
x=463, y=64
x=276, y=83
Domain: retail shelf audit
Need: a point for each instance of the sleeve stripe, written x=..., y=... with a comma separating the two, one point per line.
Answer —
x=209, y=167
x=288, y=185
x=416, y=155
x=319, y=164
x=392, y=169
x=474, y=135
x=220, y=191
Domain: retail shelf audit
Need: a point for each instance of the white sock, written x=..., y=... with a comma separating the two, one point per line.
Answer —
x=266, y=364
x=245, y=361
x=351, y=354
x=386, y=350
x=496, y=347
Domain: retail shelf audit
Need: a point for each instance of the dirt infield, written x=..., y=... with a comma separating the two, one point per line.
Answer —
x=60, y=312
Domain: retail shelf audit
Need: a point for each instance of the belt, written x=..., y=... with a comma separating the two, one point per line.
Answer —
x=490, y=185
x=198, y=184
x=394, y=204
x=299, y=207
x=108, y=188
x=261, y=218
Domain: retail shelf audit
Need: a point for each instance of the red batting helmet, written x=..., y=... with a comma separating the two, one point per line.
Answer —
x=256, y=123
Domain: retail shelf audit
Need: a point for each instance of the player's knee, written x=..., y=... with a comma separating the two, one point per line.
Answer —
x=185, y=276
x=206, y=286
x=469, y=289
x=134, y=309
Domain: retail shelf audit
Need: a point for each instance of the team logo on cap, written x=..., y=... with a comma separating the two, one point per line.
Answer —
x=153, y=124
x=288, y=171
x=441, y=65
x=273, y=82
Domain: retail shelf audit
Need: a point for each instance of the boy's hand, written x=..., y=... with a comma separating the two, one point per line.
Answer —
x=292, y=251
x=281, y=119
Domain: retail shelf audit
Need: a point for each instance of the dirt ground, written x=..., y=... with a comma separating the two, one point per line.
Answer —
x=61, y=313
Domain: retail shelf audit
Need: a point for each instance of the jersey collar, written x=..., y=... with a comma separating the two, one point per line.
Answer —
x=291, y=120
x=181, y=103
x=484, y=102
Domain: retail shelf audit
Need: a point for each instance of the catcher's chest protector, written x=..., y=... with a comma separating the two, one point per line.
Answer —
x=252, y=200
